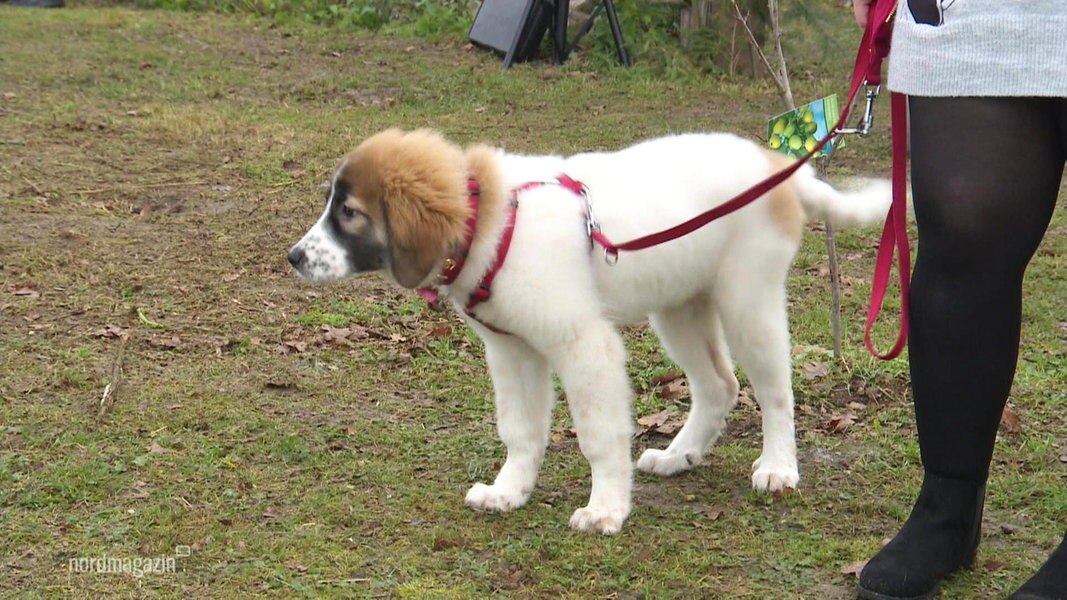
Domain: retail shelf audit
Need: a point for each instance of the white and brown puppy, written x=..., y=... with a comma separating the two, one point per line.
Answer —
x=399, y=203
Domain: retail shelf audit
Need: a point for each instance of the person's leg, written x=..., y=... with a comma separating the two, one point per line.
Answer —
x=985, y=176
x=1050, y=581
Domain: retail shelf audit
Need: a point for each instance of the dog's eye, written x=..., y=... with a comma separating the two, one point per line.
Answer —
x=348, y=211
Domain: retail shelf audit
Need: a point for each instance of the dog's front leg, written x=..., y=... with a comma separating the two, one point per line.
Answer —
x=593, y=370
x=523, y=387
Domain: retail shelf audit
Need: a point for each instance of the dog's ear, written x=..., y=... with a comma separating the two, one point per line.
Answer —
x=414, y=248
x=423, y=188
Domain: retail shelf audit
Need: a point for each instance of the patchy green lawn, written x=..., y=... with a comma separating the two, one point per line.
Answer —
x=169, y=390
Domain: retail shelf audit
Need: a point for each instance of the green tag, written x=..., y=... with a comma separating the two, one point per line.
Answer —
x=798, y=131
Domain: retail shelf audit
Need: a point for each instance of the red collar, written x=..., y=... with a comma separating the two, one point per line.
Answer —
x=453, y=265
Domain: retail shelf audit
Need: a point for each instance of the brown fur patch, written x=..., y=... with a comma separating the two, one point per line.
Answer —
x=415, y=185
x=782, y=202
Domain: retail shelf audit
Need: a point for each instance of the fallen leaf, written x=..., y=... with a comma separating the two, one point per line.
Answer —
x=335, y=334
x=655, y=419
x=295, y=566
x=231, y=277
x=813, y=370
x=856, y=405
x=293, y=168
x=665, y=378
x=839, y=423
x=110, y=331
x=165, y=343
x=993, y=565
x=293, y=346
x=712, y=513
x=146, y=320
x=155, y=448
x=279, y=385
x=673, y=390
x=854, y=568
x=1010, y=421
x=670, y=427
x=26, y=291
x=562, y=432
x=441, y=330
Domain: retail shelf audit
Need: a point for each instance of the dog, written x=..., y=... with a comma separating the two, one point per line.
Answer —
x=430, y=213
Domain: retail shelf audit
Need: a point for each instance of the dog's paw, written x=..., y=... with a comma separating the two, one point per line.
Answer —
x=666, y=462
x=492, y=498
x=599, y=520
x=774, y=476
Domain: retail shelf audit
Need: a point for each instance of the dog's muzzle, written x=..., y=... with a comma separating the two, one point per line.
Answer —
x=298, y=258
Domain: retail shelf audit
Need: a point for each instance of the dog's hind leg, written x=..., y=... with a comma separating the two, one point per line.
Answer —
x=692, y=336
x=592, y=367
x=522, y=384
x=753, y=315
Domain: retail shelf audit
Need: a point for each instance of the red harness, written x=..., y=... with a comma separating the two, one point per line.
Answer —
x=454, y=265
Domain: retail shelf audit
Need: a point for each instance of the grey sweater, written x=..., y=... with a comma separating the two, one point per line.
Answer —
x=982, y=48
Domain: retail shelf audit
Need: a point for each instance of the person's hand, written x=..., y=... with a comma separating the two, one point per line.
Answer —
x=860, y=8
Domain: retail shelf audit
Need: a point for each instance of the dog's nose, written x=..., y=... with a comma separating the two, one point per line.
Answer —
x=297, y=257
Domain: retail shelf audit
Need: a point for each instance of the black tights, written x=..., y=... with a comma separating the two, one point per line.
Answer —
x=985, y=176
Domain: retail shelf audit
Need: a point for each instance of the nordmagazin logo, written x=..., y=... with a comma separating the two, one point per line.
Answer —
x=136, y=566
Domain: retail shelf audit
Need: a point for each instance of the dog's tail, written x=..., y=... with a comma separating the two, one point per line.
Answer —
x=855, y=202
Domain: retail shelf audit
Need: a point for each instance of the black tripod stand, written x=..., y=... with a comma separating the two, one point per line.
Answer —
x=517, y=27
x=561, y=49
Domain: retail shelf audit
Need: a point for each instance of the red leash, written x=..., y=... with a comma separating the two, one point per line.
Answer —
x=894, y=236
x=873, y=48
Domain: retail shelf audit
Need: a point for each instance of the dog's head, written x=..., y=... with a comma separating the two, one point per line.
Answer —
x=397, y=202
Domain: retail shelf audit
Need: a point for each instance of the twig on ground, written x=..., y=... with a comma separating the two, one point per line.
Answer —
x=33, y=185
x=107, y=400
x=344, y=581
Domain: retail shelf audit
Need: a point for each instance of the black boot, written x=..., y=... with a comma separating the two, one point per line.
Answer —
x=939, y=537
x=1050, y=581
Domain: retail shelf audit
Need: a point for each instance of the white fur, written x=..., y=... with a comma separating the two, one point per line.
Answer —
x=717, y=291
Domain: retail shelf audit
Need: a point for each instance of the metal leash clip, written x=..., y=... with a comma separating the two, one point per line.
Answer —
x=865, y=124
x=592, y=225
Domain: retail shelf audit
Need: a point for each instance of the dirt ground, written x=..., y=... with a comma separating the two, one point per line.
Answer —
x=170, y=389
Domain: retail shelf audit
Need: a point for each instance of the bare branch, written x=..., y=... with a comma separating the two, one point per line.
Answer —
x=756, y=46
x=776, y=30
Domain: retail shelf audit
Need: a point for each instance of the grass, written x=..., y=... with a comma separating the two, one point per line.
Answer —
x=156, y=166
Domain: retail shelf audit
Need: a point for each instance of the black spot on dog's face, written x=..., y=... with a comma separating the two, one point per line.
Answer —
x=352, y=228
